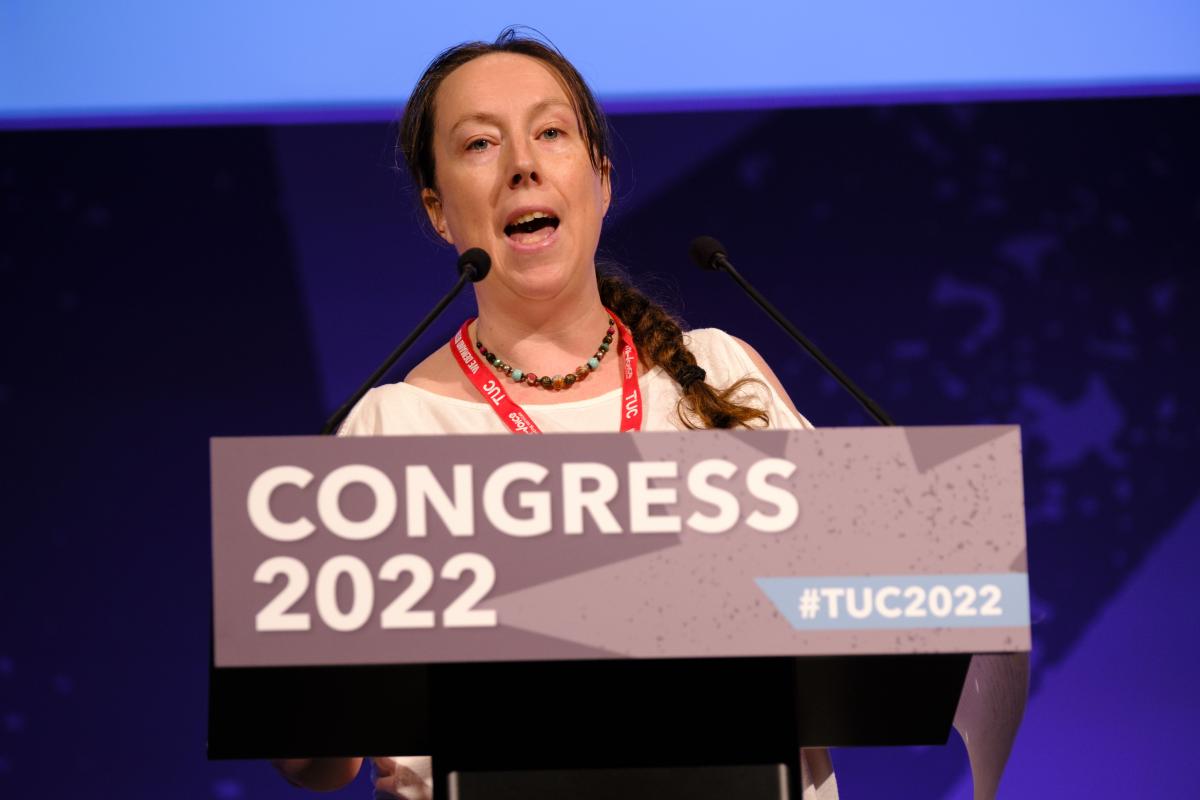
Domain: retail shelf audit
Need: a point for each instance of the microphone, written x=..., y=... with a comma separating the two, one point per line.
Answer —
x=473, y=266
x=477, y=262
x=709, y=254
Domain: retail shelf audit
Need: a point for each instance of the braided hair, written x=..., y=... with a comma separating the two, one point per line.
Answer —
x=659, y=340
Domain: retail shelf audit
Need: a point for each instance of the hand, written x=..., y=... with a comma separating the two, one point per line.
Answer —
x=397, y=780
x=321, y=774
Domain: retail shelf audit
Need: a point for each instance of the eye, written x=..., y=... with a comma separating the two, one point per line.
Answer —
x=550, y=134
x=478, y=145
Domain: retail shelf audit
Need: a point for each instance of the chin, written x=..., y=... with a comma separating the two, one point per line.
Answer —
x=537, y=279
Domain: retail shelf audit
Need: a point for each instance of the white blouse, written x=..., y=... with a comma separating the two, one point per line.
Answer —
x=400, y=408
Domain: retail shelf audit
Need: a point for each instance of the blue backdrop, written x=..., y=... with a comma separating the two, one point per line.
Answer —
x=68, y=62
x=1029, y=262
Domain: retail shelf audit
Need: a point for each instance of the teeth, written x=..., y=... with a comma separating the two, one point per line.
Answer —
x=530, y=217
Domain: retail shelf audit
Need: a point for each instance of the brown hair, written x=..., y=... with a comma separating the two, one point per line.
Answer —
x=656, y=334
x=415, y=141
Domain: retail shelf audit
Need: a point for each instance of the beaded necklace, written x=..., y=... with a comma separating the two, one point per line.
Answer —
x=558, y=382
x=512, y=415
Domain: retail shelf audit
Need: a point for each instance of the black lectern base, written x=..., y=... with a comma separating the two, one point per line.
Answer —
x=580, y=714
x=752, y=782
x=630, y=729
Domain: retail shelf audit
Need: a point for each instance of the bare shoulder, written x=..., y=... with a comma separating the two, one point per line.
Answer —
x=767, y=372
x=439, y=374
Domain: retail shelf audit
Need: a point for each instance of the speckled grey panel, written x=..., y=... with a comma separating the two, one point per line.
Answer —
x=874, y=507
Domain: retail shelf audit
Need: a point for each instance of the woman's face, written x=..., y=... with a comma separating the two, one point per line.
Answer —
x=514, y=175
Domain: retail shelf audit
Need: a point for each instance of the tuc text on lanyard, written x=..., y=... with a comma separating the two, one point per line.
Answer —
x=512, y=415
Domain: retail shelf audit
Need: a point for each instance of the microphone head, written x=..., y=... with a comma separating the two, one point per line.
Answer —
x=705, y=251
x=479, y=261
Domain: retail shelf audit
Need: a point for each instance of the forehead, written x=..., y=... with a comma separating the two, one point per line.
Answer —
x=497, y=84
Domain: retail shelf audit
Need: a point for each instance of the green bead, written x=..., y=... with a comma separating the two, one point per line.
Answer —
x=547, y=382
x=569, y=378
x=593, y=363
x=518, y=375
x=604, y=347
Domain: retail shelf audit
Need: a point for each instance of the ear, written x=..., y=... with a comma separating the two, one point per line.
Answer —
x=437, y=217
x=606, y=184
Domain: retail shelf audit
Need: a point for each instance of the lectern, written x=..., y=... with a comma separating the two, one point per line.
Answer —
x=587, y=615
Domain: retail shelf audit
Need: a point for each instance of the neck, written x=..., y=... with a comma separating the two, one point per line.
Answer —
x=549, y=337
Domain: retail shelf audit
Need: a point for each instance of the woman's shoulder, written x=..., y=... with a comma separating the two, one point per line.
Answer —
x=375, y=412
x=723, y=356
x=403, y=409
x=429, y=398
x=438, y=374
x=727, y=359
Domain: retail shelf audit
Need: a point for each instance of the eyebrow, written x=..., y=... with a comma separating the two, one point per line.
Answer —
x=537, y=108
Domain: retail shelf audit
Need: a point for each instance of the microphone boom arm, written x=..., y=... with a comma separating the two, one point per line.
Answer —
x=871, y=407
x=470, y=270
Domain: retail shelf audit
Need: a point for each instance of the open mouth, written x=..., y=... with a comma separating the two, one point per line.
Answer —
x=532, y=227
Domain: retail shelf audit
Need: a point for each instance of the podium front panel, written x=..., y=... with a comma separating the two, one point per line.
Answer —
x=704, y=544
x=733, y=595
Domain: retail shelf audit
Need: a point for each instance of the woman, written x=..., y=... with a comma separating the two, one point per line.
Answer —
x=510, y=152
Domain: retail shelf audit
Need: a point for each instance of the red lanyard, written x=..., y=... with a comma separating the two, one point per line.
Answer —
x=515, y=417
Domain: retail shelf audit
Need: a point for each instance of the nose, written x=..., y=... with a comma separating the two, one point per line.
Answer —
x=523, y=166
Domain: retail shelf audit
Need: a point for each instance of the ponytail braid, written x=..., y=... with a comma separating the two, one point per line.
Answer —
x=659, y=340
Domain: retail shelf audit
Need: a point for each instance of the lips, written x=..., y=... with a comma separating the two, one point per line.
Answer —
x=530, y=227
